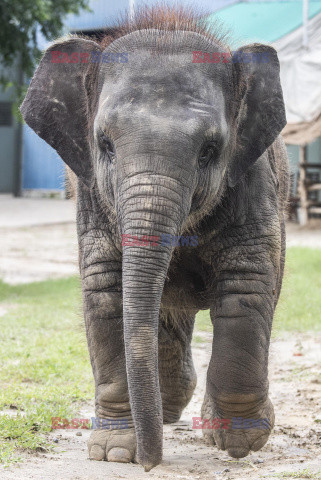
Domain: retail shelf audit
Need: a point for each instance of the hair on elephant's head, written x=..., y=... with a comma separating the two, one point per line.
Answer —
x=160, y=139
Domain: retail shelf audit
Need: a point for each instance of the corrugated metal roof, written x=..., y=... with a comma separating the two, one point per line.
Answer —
x=262, y=21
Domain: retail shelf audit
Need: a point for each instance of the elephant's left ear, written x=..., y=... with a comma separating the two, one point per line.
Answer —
x=261, y=115
x=58, y=102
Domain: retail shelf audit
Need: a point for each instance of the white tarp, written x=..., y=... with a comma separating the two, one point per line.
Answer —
x=301, y=73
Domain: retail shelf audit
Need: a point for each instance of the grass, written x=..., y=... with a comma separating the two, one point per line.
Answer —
x=45, y=371
x=299, y=307
x=302, y=474
x=44, y=365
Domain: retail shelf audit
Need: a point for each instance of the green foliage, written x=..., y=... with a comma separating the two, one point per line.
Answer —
x=21, y=21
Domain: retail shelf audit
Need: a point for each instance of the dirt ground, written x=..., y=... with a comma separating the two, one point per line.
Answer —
x=42, y=251
x=295, y=444
x=37, y=239
x=31, y=253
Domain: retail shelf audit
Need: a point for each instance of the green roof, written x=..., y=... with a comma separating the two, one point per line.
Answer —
x=262, y=21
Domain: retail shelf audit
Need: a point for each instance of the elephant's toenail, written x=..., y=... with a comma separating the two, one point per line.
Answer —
x=96, y=453
x=259, y=443
x=118, y=454
x=238, y=452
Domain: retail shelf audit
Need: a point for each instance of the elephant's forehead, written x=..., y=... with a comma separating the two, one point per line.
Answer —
x=173, y=79
x=177, y=95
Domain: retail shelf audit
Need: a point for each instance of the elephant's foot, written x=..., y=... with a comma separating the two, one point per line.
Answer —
x=246, y=431
x=112, y=445
x=176, y=398
x=171, y=414
x=177, y=375
x=208, y=412
x=177, y=394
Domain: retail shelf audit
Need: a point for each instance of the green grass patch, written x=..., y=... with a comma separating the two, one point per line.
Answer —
x=44, y=365
x=299, y=308
x=203, y=321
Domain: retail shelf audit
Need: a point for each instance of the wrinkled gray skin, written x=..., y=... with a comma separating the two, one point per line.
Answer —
x=159, y=111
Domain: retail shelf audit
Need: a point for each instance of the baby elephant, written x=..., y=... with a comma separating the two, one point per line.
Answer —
x=182, y=180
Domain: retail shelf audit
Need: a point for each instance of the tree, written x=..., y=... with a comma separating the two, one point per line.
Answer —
x=20, y=22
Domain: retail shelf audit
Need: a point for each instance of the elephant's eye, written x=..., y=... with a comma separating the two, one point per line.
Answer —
x=106, y=145
x=208, y=152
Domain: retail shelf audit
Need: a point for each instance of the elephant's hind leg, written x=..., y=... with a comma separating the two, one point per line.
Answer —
x=176, y=370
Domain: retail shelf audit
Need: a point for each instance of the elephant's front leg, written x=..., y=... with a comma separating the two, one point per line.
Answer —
x=101, y=275
x=237, y=381
x=114, y=438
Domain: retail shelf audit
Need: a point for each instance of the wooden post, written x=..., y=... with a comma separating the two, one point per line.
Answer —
x=18, y=140
x=303, y=191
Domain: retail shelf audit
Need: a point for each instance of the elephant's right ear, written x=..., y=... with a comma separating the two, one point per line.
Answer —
x=57, y=105
x=261, y=111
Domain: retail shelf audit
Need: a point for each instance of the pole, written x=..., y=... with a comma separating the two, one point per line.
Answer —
x=131, y=10
x=303, y=192
x=305, y=13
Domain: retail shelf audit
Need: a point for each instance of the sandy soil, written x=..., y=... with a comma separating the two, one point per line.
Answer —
x=35, y=253
x=309, y=236
x=38, y=252
x=295, y=444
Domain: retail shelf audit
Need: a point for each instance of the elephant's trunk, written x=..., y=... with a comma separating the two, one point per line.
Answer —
x=146, y=209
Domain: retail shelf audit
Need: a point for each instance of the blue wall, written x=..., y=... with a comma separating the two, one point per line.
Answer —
x=42, y=166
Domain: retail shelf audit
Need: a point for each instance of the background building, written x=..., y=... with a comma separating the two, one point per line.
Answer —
x=279, y=23
x=299, y=50
x=27, y=163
